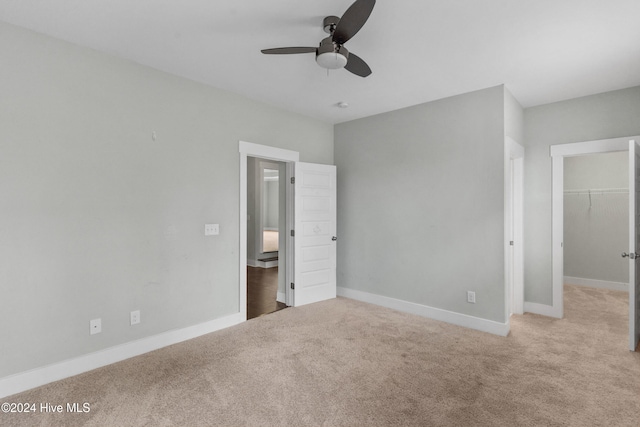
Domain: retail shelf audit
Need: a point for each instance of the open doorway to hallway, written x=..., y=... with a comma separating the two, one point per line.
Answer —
x=266, y=209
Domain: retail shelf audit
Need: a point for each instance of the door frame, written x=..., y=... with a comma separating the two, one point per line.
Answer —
x=558, y=153
x=248, y=149
x=262, y=165
x=514, y=227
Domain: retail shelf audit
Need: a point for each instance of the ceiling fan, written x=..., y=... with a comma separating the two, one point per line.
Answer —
x=331, y=53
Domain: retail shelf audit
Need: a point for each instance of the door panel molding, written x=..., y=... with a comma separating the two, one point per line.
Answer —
x=315, y=222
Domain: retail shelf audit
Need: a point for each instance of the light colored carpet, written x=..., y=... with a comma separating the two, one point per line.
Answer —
x=269, y=241
x=346, y=363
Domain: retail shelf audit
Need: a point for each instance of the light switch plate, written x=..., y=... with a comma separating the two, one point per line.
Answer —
x=211, y=229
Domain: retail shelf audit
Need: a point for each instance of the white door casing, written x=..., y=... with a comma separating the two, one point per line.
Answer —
x=634, y=243
x=315, y=231
x=514, y=245
x=558, y=152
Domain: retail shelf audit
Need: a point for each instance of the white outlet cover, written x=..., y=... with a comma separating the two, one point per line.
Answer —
x=95, y=326
x=471, y=297
x=135, y=317
x=211, y=229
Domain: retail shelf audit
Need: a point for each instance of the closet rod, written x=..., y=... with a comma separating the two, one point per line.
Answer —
x=590, y=191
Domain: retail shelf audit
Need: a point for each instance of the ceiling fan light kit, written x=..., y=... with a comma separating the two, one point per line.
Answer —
x=331, y=54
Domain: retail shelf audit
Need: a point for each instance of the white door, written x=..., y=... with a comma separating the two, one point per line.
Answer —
x=634, y=243
x=315, y=233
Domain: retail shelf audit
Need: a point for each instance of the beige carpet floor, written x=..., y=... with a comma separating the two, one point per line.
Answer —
x=346, y=363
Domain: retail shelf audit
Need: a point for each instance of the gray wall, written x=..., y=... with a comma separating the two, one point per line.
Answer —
x=421, y=203
x=607, y=115
x=596, y=228
x=98, y=219
x=272, y=205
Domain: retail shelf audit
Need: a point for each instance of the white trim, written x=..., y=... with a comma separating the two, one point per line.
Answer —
x=290, y=245
x=513, y=227
x=40, y=376
x=590, y=147
x=454, y=318
x=599, y=284
x=281, y=297
x=557, y=236
x=253, y=263
x=634, y=333
x=542, y=309
x=269, y=153
x=266, y=264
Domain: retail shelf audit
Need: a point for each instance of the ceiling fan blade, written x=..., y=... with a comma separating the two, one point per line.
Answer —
x=288, y=50
x=352, y=20
x=357, y=66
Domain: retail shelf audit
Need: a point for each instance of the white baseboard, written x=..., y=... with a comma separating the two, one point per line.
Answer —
x=281, y=297
x=542, y=309
x=459, y=319
x=40, y=376
x=261, y=264
x=267, y=264
x=593, y=283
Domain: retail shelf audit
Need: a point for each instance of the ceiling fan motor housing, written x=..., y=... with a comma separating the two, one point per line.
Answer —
x=329, y=24
x=331, y=55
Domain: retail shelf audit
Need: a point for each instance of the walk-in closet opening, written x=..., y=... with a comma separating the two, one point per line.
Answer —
x=596, y=233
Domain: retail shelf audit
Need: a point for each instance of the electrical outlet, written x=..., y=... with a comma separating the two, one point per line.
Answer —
x=95, y=326
x=471, y=297
x=211, y=229
x=135, y=317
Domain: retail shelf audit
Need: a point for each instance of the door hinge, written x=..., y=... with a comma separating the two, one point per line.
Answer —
x=293, y=233
x=293, y=179
x=511, y=243
x=293, y=285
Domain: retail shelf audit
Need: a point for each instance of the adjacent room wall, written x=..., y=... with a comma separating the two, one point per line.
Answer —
x=421, y=203
x=272, y=205
x=607, y=115
x=596, y=224
x=108, y=172
x=253, y=221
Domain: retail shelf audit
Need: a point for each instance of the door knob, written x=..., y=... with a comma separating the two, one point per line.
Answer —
x=634, y=255
x=624, y=254
x=334, y=238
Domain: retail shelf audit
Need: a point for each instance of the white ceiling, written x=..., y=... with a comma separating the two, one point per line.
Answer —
x=419, y=50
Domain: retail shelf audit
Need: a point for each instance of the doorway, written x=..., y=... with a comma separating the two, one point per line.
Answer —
x=266, y=225
x=596, y=220
x=310, y=213
x=558, y=154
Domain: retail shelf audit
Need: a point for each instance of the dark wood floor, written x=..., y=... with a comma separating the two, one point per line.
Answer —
x=262, y=290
